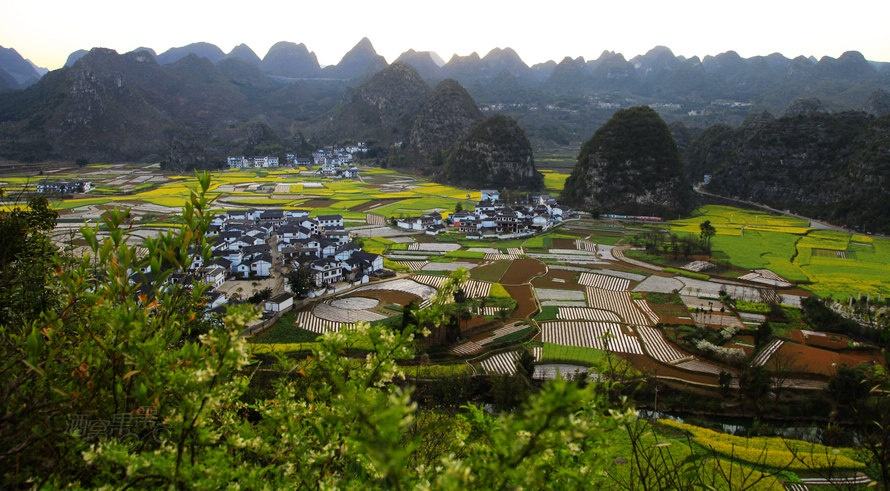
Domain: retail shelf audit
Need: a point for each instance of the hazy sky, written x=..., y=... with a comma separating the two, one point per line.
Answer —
x=47, y=31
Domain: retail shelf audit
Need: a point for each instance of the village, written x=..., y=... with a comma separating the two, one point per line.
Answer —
x=256, y=246
x=492, y=218
x=334, y=162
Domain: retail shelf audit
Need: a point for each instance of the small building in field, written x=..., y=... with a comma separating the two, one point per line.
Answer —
x=279, y=303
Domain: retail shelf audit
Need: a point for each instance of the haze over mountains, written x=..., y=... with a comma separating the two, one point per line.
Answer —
x=289, y=93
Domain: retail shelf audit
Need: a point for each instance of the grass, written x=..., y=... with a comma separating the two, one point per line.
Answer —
x=554, y=181
x=498, y=291
x=575, y=355
x=491, y=272
x=437, y=371
x=663, y=298
x=687, y=273
x=284, y=331
x=773, y=452
x=547, y=313
x=752, y=307
x=459, y=254
x=787, y=246
x=513, y=337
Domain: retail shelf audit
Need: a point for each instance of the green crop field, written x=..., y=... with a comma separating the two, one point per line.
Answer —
x=554, y=181
x=827, y=262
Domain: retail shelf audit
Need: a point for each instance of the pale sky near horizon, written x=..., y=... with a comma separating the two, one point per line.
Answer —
x=47, y=31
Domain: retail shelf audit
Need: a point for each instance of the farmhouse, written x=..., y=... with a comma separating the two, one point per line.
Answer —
x=330, y=221
x=420, y=223
x=279, y=303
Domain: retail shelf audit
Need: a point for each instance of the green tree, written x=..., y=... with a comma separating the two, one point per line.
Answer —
x=763, y=334
x=300, y=281
x=707, y=232
x=755, y=384
x=27, y=262
x=260, y=296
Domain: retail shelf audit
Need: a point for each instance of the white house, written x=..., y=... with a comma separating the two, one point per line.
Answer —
x=279, y=303
x=330, y=221
x=215, y=299
x=237, y=162
x=490, y=195
x=215, y=275
x=261, y=265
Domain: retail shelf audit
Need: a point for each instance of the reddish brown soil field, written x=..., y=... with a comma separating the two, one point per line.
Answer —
x=551, y=280
x=670, y=313
x=373, y=204
x=525, y=300
x=389, y=296
x=806, y=359
x=522, y=271
x=318, y=203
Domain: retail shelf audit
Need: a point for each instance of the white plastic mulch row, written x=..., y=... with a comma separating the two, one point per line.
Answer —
x=766, y=353
x=700, y=366
x=619, y=302
x=515, y=251
x=587, y=314
x=375, y=219
x=502, y=363
x=433, y=246
x=468, y=348
x=647, y=310
x=584, y=245
x=412, y=265
x=604, y=282
x=600, y=335
x=556, y=294
x=473, y=288
x=492, y=310
x=498, y=256
x=305, y=320
x=657, y=347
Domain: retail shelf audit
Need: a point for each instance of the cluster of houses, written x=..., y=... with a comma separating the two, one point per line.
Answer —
x=249, y=243
x=334, y=161
x=492, y=218
x=266, y=161
x=337, y=156
x=242, y=162
x=64, y=187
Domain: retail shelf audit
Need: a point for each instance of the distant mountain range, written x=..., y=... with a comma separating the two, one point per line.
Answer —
x=17, y=72
x=559, y=105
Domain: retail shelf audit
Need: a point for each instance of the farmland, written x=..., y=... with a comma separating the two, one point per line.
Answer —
x=827, y=262
x=567, y=295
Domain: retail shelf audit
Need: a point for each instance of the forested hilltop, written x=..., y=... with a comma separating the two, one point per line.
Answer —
x=631, y=166
x=833, y=166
